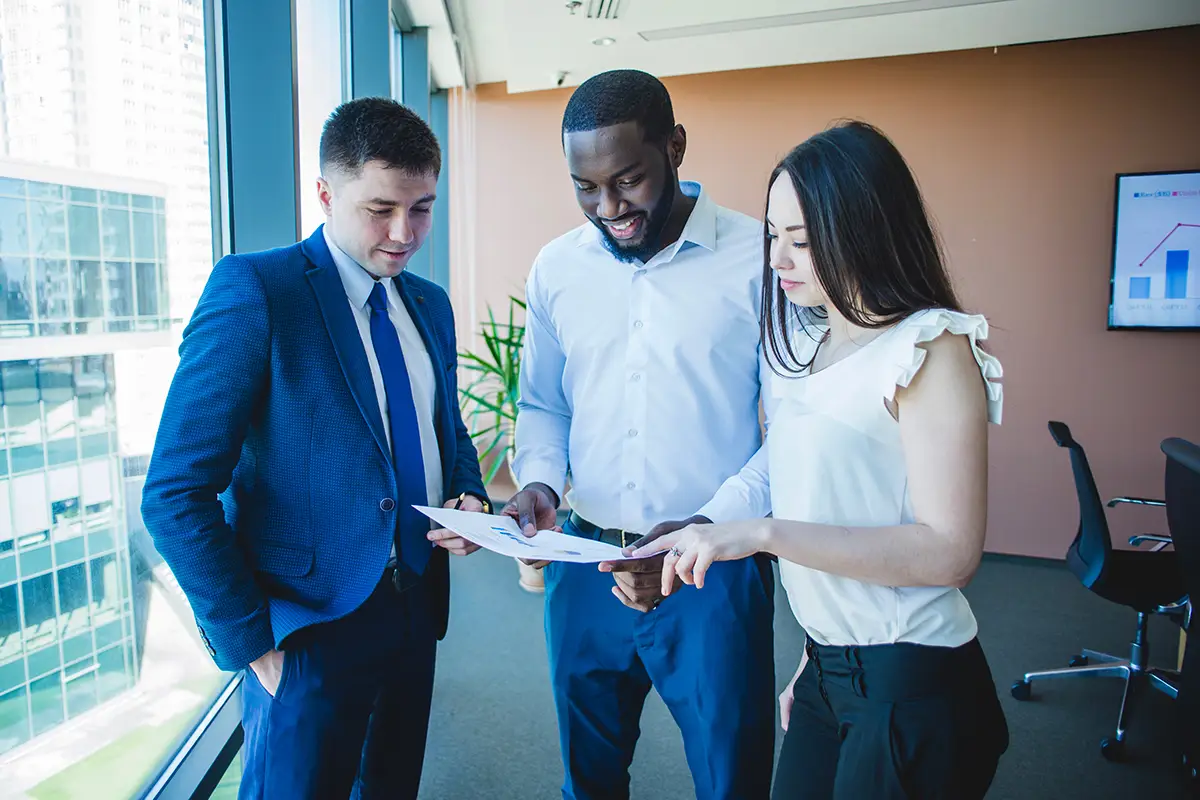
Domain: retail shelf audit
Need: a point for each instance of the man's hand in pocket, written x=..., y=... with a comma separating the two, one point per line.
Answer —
x=268, y=668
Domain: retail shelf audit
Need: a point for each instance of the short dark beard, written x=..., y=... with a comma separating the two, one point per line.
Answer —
x=656, y=221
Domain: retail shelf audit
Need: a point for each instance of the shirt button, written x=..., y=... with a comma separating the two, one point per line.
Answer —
x=637, y=376
x=631, y=485
x=633, y=431
x=387, y=504
x=637, y=324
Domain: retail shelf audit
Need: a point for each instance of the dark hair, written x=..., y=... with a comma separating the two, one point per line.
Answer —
x=379, y=129
x=621, y=95
x=873, y=248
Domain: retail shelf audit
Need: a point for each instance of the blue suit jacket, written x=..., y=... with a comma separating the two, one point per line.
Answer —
x=265, y=493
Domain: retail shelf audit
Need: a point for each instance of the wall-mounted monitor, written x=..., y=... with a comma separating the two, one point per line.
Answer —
x=1155, y=282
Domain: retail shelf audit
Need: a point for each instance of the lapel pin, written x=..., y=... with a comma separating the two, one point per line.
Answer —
x=420, y=298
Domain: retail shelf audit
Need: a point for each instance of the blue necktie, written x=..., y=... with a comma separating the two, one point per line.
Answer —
x=412, y=547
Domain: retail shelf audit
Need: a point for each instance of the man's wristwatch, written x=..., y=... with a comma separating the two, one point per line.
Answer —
x=487, y=504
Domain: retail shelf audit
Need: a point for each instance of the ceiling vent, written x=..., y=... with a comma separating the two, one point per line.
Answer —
x=604, y=9
x=879, y=9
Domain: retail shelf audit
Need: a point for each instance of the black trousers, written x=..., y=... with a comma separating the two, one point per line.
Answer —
x=892, y=721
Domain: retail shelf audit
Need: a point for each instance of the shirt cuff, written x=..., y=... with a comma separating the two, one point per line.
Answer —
x=543, y=472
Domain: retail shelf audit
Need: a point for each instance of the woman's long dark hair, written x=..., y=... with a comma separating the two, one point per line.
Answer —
x=873, y=248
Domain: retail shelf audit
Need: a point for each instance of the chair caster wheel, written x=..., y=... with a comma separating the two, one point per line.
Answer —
x=1022, y=690
x=1078, y=661
x=1112, y=749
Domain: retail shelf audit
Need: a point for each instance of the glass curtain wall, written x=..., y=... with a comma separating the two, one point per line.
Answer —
x=105, y=244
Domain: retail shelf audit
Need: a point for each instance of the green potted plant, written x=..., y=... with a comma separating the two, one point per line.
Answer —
x=489, y=403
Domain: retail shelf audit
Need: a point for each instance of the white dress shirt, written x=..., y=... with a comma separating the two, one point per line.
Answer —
x=358, y=284
x=641, y=381
x=836, y=459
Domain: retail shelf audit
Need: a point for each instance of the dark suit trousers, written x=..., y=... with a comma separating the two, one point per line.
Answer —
x=351, y=712
x=889, y=722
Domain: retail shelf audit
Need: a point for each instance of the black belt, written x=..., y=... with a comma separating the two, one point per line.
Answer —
x=614, y=536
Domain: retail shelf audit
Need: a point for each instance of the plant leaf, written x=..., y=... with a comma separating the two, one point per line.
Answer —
x=490, y=406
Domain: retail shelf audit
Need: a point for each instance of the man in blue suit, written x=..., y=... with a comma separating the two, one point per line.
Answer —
x=314, y=406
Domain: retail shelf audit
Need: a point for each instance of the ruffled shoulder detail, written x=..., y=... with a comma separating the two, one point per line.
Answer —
x=925, y=326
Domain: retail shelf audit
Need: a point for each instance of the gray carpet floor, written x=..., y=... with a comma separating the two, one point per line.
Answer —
x=493, y=735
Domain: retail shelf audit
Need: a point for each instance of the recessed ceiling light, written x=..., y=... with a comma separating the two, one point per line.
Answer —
x=604, y=41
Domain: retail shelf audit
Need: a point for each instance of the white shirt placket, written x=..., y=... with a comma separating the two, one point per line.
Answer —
x=637, y=386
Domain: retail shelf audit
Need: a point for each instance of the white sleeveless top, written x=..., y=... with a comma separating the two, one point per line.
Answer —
x=836, y=458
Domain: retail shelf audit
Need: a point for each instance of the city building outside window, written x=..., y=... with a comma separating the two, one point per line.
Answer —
x=105, y=245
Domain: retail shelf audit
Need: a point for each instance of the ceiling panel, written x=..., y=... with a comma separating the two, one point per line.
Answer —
x=540, y=44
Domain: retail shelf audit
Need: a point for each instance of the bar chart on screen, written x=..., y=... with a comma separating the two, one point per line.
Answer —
x=1156, y=276
x=1174, y=273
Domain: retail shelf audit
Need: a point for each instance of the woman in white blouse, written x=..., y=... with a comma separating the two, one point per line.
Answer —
x=878, y=471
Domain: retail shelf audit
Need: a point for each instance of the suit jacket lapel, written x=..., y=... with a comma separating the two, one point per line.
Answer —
x=414, y=301
x=347, y=343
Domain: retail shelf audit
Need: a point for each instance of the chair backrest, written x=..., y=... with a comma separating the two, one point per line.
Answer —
x=1088, y=554
x=1183, y=508
x=1183, y=520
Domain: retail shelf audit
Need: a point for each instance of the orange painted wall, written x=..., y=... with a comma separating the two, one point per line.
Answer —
x=1016, y=152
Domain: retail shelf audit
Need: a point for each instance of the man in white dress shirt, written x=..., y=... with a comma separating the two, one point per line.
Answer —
x=640, y=383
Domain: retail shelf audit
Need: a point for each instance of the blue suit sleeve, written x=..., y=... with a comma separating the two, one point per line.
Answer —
x=221, y=379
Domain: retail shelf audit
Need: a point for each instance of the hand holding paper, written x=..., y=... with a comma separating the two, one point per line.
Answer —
x=533, y=508
x=446, y=539
x=501, y=535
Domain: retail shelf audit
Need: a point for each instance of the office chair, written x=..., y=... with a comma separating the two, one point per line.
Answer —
x=1183, y=521
x=1147, y=582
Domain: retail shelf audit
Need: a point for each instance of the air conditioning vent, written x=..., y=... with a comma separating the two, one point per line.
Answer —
x=604, y=9
x=878, y=9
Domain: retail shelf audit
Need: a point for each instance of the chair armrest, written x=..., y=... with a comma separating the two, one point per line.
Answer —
x=1137, y=501
x=1160, y=541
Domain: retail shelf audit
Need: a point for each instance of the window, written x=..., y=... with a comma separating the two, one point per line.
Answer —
x=18, y=292
x=89, y=294
x=68, y=255
x=51, y=277
x=320, y=89
x=105, y=244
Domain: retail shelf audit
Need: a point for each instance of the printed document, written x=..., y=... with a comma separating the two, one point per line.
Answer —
x=502, y=535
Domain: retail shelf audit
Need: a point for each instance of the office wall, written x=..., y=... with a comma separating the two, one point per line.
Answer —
x=1016, y=151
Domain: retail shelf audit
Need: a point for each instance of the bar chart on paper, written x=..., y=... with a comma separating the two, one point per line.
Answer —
x=1156, y=271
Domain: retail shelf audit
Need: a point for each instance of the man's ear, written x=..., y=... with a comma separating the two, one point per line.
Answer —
x=325, y=195
x=677, y=146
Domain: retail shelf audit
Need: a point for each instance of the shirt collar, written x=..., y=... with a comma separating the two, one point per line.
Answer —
x=700, y=228
x=356, y=280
